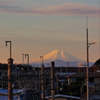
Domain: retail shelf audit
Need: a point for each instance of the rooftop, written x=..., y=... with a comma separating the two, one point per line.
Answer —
x=83, y=75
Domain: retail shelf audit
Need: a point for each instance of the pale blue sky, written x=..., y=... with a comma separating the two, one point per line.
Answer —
x=38, y=27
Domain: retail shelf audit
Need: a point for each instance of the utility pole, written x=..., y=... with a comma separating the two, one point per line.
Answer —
x=10, y=90
x=57, y=83
x=87, y=46
x=87, y=74
x=10, y=63
x=42, y=79
x=52, y=81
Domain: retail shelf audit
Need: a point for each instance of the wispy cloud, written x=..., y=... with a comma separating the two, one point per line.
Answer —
x=6, y=2
x=9, y=35
x=69, y=9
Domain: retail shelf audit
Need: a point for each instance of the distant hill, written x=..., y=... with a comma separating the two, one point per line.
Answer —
x=61, y=58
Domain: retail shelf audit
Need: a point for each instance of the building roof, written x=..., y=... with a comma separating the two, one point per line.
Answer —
x=64, y=96
x=15, y=91
x=83, y=75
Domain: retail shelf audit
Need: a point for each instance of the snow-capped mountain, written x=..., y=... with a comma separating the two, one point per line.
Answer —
x=61, y=58
x=58, y=55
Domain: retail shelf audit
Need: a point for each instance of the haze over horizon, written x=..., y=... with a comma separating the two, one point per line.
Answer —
x=38, y=27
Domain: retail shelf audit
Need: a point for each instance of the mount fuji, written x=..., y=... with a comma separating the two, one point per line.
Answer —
x=61, y=58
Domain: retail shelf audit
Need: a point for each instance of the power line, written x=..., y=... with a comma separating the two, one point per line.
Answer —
x=12, y=71
x=14, y=54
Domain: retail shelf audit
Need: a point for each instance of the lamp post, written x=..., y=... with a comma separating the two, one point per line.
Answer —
x=10, y=62
x=23, y=58
x=41, y=57
x=27, y=58
x=10, y=46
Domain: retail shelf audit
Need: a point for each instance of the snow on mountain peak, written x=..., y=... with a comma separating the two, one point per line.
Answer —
x=58, y=55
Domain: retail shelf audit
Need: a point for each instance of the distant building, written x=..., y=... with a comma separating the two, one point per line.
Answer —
x=94, y=81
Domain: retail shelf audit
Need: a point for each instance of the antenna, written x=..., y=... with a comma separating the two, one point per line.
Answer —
x=99, y=28
x=86, y=22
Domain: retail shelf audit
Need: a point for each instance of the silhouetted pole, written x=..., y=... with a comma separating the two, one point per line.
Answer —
x=41, y=57
x=10, y=46
x=10, y=91
x=88, y=45
x=23, y=58
x=27, y=58
x=42, y=79
x=52, y=81
x=57, y=83
x=87, y=74
x=42, y=82
x=10, y=62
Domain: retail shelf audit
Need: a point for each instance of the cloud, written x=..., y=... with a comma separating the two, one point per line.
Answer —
x=68, y=9
x=6, y=2
x=9, y=35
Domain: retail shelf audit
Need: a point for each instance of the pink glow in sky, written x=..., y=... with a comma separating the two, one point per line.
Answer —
x=38, y=27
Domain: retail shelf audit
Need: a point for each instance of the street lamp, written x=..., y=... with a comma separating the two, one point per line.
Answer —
x=41, y=57
x=10, y=46
x=23, y=58
x=10, y=63
x=27, y=58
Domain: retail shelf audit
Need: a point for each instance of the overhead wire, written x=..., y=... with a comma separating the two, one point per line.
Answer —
x=11, y=52
x=14, y=54
x=12, y=71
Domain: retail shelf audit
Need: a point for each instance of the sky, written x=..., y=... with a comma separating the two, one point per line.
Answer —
x=37, y=27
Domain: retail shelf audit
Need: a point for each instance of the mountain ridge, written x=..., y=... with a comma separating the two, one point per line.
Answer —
x=61, y=58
